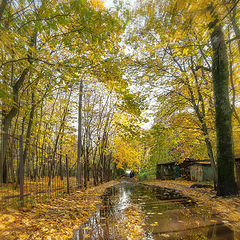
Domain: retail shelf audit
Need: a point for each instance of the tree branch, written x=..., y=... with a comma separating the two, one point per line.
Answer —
x=202, y=67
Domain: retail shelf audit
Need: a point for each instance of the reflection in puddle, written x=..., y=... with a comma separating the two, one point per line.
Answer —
x=134, y=211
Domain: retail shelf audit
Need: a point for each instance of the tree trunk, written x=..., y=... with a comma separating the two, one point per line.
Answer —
x=79, y=157
x=29, y=129
x=85, y=173
x=225, y=158
x=235, y=25
x=212, y=161
x=4, y=147
x=201, y=117
x=2, y=8
x=94, y=168
x=28, y=134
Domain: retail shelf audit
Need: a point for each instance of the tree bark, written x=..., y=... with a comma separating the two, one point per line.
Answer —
x=6, y=123
x=79, y=157
x=28, y=134
x=225, y=158
x=201, y=117
x=2, y=8
x=235, y=25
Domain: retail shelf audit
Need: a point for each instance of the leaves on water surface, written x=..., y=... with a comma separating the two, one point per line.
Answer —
x=227, y=208
x=165, y=235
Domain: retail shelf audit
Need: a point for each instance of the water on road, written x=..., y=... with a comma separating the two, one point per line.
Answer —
x=135, y=211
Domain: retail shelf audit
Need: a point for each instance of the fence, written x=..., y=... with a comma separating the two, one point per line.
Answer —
x=32, y=172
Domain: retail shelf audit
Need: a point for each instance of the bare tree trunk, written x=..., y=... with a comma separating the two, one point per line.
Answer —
x=235, y=25
x=94, y=168
x=225, y=158
x=2, y=8
x=79, y=157
x=201, y=117
x=29, y=130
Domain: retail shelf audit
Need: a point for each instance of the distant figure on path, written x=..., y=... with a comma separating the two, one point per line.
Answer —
x=131, y=174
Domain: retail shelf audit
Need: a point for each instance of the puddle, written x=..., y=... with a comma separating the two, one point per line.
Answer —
x=134, y=211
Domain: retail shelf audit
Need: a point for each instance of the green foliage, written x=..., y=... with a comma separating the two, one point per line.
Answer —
x=147, y=174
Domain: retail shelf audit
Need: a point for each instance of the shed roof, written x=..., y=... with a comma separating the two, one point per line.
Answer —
x=168, y=163
x=202, y=162
x=190, y=161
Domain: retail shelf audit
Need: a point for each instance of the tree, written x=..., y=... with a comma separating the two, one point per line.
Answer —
x=45, y=47
x=79, y=158
x=225, y=157
x=178, y=46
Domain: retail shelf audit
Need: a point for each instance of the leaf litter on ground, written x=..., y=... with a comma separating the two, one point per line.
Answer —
x=55, y=218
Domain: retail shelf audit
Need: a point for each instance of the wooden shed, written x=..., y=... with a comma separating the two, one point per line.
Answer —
x=201, y=171
x=167, y=171
x=191, y=169
x=185, y=168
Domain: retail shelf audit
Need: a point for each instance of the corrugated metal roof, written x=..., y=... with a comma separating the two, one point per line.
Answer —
x=203, y=162
x=167, y=163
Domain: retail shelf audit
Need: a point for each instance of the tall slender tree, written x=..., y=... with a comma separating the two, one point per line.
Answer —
x=79, y=156
x=223, y=112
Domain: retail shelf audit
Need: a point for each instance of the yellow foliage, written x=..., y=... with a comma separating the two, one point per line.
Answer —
x=98, y=4
x=126, y=155
x=191, y=140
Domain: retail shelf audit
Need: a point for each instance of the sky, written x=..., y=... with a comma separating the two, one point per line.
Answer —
x=108, y=3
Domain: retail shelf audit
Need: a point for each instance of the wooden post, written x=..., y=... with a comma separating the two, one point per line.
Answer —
x=67, y=174
x=21, y=170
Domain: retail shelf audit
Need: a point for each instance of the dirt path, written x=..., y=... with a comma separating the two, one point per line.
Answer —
x=227, y=207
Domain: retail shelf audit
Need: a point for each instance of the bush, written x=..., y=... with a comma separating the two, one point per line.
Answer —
x=147, y=175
